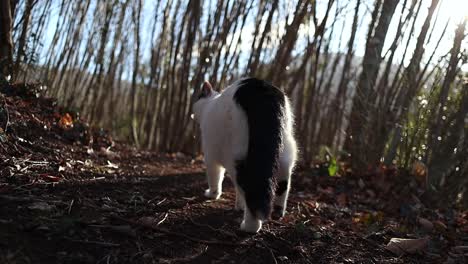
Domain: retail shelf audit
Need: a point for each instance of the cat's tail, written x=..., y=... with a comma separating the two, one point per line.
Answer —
x=264, y=106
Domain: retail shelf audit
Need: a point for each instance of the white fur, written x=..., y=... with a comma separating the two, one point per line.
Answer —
x=225, y=137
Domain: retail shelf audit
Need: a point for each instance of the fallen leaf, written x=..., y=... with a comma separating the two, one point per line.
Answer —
x=124, y=229
x=341, y=199
x=41, y=206
x=368, y=219
x=425, y=224
x=361, y=183
x=329, y=190
x=333, y=167
x=401, y=246
x=66, y=121
x=420, y=172
x=50, y=178
x=109, y=153
x=439, y=225
x=90, y=151
x=461, y=249
x=112, y=165
x=147, y=220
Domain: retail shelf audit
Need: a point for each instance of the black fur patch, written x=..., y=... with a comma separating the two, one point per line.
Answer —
x=282, y=187
x=263, y=104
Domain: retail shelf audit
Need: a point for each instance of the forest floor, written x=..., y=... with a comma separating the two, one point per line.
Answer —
x=72, y=195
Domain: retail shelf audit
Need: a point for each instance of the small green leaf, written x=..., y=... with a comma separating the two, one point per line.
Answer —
x=333, y=167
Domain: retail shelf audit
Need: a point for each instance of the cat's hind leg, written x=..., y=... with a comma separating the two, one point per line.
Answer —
x=287, y=159
x=215, y=176
x=240, y=202
x=251, y=222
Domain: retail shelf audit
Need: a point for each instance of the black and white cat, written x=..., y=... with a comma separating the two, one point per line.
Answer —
x=247, y=130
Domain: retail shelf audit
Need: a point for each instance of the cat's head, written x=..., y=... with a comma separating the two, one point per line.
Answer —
x=200, y=97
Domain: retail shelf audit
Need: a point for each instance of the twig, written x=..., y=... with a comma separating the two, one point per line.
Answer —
x=71, y=205
x=168, y=232
x=162, y=220
x=185, y=259
x=280, y=239
x=99, y=243
x=122, y=229
x=212, y=228
x=271, y=252
x=7, y=115
x=162, y=201
x=29, y=199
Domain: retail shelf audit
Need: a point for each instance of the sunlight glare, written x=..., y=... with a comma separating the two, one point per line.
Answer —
x=455, y=10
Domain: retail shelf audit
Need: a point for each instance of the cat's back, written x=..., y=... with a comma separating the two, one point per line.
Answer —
x=225, y=110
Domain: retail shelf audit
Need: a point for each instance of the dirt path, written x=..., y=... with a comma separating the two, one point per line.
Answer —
x=150, y=209
x=143, y=218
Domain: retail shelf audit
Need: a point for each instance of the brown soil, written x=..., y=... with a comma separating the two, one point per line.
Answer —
x=70, y=195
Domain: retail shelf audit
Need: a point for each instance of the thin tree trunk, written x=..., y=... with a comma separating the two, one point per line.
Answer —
x=410, y=78
x=6, y=42
x=136, y=65
x=22, y=39
x=452, y=70
x=359, y=131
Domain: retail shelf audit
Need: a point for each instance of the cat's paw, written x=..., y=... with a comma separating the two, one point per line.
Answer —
x=278, y=212
x=212, y=194
x=251, y=226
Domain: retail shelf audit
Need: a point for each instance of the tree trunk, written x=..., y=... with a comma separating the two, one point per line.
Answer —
x=136, y=65
x=359, y=130
x=22, y=39
x=442, y=150
x=337, y=106
x=454, y=148
x=409, y=79
x=448, y=81
x=6, y=42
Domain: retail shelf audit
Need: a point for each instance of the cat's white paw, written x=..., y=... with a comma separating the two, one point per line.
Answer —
x=212, y=194
x=251, y=226
x=278, y=212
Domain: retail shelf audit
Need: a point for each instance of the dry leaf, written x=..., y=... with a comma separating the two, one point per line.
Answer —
x=440, y=226
x=341, y=199
x=361, y=183
x=426, y=224
x=66, y=121
x=400, y=246
x=90, y=151
x=111, y=165
x=41, y=206
x=461, y=249
x=147, y=220
x=50, y=178
x=420, y=172
x=109, y=153
x=367, y=218
x=124, y=229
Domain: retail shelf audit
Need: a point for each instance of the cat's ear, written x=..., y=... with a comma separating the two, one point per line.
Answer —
x=206, y=89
